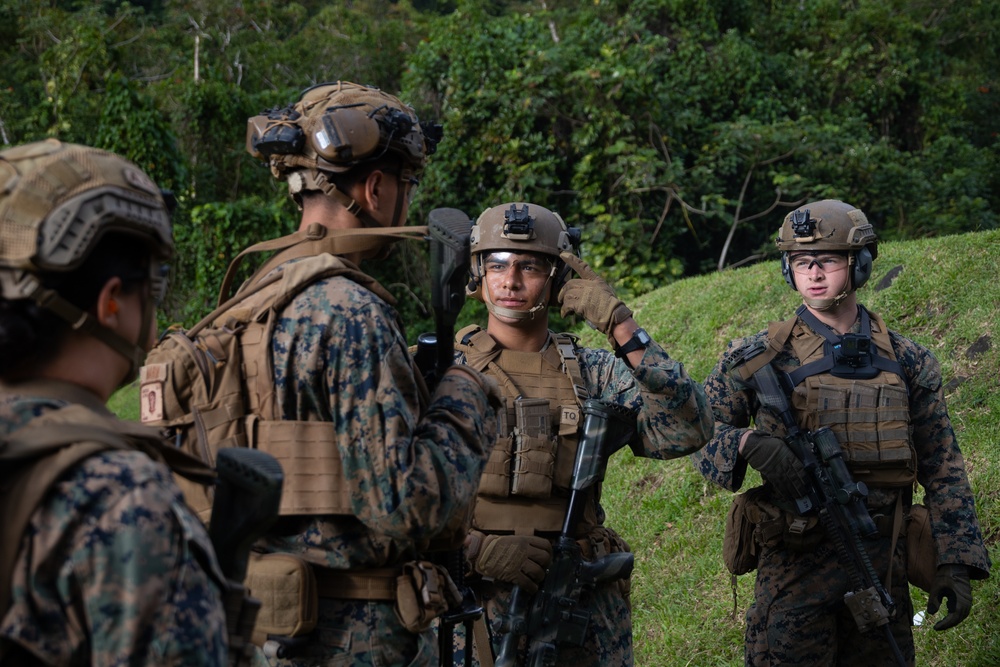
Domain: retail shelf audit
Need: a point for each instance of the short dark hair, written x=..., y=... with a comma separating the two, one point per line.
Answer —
x=30, y=334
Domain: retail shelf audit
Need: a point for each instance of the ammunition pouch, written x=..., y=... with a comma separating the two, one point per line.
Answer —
x=424, y=591
x=921, y=550
x=287, y=590
x=534, y=449
x=754, y=521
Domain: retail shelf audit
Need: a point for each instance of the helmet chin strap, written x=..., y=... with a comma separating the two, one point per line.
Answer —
x=84, y=322
x=826, y=304
x=500, y=311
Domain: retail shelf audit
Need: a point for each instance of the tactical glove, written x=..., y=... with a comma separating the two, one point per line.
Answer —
x=777, y=464
x=590, y=297
x=517, y=559
x=951, y=581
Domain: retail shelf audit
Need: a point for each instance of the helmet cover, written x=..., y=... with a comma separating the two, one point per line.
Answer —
x=57, y=200
x=520, y=227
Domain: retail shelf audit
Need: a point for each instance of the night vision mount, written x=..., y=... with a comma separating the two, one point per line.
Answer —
x=341, y=136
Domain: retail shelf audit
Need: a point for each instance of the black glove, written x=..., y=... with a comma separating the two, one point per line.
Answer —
x=951, y=581
x=777, y=464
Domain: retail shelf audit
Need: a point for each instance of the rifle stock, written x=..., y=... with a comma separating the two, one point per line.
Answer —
x=247, y=496
x=449, y=231
x=553, y=617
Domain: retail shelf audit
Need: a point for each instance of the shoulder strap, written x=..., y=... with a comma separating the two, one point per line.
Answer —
x=752, y=359
x=567, y=346
x=827, y=362
x=315, y=239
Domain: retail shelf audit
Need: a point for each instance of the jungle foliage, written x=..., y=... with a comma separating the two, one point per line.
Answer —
x=675, y=133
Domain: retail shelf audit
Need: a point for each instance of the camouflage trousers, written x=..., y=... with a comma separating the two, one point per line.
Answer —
x=608, y=642
x=799, y=617
x=358, y=633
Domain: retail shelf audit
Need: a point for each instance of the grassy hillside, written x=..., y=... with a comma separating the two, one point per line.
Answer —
x=944, y=294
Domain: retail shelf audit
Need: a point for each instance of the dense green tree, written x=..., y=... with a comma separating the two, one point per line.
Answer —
x=675, y=133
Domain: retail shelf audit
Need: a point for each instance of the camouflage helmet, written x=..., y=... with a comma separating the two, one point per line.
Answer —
x=829, y=226
x=57, y=200
x=335, y=127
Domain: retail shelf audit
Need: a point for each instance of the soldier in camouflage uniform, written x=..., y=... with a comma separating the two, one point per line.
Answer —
x=110, y=568
x=522, y=255
x=411, y=462
x=893, y=426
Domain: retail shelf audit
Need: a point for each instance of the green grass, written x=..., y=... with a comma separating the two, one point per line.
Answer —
x=946, y=296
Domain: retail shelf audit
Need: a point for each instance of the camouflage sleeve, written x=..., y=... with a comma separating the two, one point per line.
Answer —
x=348, y=363
x=132, y=585
x=940, y=465
x=733, y=408
x=674, y=416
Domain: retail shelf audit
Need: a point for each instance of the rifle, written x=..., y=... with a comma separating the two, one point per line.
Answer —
x=840, y=503
x=554, y=615
x=449, y=232
x=247, y=494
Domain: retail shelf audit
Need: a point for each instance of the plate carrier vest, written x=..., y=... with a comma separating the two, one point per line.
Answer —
x=525, y=484
x=866, y=405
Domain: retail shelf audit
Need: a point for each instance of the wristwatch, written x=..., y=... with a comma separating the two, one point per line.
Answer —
x=640, y=340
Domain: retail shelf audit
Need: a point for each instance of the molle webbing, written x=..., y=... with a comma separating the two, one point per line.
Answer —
x=869, y=416
x=310, y=459
x=307, y=450
x=520, y=454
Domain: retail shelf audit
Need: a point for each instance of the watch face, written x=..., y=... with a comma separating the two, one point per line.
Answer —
x=643, y=337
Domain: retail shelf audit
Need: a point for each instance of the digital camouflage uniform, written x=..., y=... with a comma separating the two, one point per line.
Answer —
x=798, y=616
x=673, y=421
x=413, y=462
x=113, y=569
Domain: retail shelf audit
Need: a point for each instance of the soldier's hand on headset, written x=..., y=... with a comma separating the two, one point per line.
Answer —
x=590, y=297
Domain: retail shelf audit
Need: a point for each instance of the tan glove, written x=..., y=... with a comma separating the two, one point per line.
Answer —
x=590, y=297
x=517, y=559
x=950, y=581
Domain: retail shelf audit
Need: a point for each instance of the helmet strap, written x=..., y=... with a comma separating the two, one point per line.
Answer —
x=827, y=304
x=500, y=311
x=82, y=321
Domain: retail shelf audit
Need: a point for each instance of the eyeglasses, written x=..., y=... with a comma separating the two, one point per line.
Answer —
x=501, y=262
x=826, y=263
